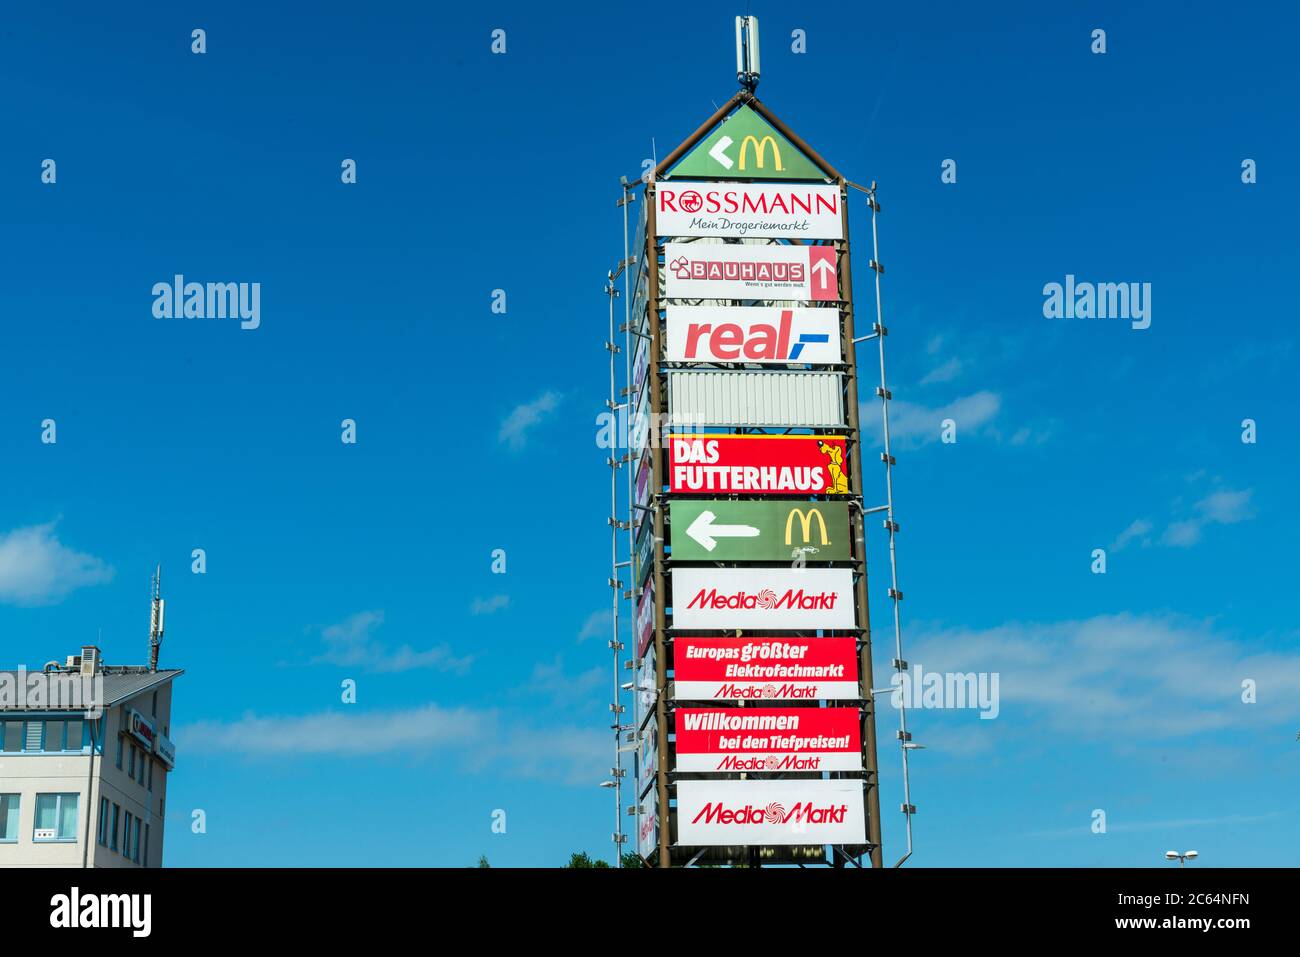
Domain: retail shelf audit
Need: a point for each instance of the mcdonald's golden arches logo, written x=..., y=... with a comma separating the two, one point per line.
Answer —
x=805, y=524
x=760, y=150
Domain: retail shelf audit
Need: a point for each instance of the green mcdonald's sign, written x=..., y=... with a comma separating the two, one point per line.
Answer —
x=746, y=146
x=756, y=531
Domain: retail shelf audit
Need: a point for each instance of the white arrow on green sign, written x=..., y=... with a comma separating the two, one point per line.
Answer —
x=729, y=531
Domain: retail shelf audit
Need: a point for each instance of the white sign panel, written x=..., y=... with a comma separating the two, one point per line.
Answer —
x=762, y=598
x=733, y=271
x=756, y=334
x=711, y=813
x=772, y=210
x=756, y=397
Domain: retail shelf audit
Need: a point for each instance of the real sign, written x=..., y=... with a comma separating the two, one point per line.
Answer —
x=758, y=334
x=758, y=464
x=776, y=740
x=730, y=531
x=775, y=669
x=711, y=813
x=774, y=211
x=763, y=598
x=732, y=271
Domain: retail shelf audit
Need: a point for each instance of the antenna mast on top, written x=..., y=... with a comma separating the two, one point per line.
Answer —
x=156, y=619
x=747, y=64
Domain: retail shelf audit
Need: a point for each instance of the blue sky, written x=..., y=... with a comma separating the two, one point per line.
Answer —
x=476, y=430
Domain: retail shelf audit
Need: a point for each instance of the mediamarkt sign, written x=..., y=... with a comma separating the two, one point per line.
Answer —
x=758, y=464
x=768, y=739
x=783, y=211
x=731, y=271
x=753, y=334
x=762, y=598
x=712, y=813
x=770, y=669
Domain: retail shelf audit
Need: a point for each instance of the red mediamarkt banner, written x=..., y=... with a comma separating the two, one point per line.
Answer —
x=759, y=464
x=768, y=739
x=777, y=669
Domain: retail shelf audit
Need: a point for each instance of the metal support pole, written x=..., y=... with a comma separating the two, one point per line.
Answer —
x=651, y=263
x=891, y=526
x=858, y=528
x=615, y=586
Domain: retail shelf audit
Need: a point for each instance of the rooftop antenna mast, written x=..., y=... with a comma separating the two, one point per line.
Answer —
x=156, y=619
x=747, y=64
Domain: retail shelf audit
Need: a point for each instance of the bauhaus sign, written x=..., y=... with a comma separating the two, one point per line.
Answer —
x=756, y=210
x=734, y=271
x=766, y=669
x=762, y=598
x=758, y=464
x=771, y=740
x=727, y=531
x=752, y=334
x=711, y=813
x=746, y=146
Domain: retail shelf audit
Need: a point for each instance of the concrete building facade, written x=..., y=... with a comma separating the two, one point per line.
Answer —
x=85, y=754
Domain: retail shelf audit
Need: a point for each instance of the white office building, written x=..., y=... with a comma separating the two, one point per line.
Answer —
x=84, y=760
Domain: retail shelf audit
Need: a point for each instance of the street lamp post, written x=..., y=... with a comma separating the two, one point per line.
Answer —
x=1182, y=858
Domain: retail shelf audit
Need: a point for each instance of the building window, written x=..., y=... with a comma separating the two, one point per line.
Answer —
x=153, y=710
x=76, y=736
x=126, y=837
x=34, y=729
x=9, y=818
x=146, y=846
x=151, y=776
x=135, y=845
x=13, y=736
x=117, y=812
x=119, y=752
x=130, y=771
x=103, y=821
x=53, y=736
x=144, y=759
x=56, y=817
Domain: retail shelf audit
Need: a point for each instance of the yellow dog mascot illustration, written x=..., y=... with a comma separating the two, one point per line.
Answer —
x=839, y=483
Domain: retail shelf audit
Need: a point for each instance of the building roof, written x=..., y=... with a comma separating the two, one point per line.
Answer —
x=119, y=684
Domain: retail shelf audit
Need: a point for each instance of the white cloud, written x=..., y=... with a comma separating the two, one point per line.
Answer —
x=1224, y=507
x=516, y=426
x=351, y=643
x=945, y=372
x=482, y=739
x=37, y=569
x=486, y=606
x=1138, y=531
x=598, y=623
x=1122, y=678
x=911, y=423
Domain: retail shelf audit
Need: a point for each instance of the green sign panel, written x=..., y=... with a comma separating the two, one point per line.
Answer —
x=746, y=146
x=759, y=531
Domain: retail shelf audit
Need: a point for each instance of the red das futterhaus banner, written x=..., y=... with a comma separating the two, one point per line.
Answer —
x=759, y=464
x=774, y=669
x=768, y=739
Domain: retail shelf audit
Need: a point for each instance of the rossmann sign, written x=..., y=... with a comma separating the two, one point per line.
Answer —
x=758, y=464
x=731, y=271
x=772, y=740
x=753, y=334
x=713, y=813
x=763, y=598
x=792, y=211
x=765, y=669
